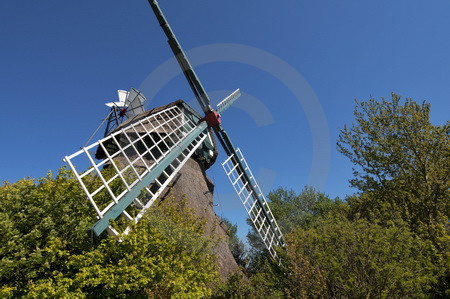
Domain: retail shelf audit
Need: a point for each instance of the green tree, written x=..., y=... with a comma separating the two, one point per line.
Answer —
x=389, y=240
x=236, y=245
x=291, y=210
x=294, y=210
x=335, y=257
x=46, y=252
x=41, y=224
x=402, y=164
x=402, y=170
x=266, y=283
x=339, y=258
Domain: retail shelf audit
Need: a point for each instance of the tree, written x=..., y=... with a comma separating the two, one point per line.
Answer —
x=402, y=170
x=41, y=224
x=236, y=246
x=292, y=210
x=339, y=258
x=332, y=256
x=264, y=284
x=402, y=164
x=46, y=252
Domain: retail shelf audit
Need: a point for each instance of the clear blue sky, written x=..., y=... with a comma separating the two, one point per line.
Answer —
x=61, y=61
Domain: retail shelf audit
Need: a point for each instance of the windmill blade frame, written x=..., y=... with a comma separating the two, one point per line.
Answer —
x=253, y=200
x=139, y=161
x=123, y=95
x=228, y=101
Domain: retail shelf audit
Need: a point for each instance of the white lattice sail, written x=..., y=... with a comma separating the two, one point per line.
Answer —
x=251, y=196
x=138, y=161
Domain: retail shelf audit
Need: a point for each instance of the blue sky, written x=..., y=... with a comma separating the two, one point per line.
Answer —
x=300, y=65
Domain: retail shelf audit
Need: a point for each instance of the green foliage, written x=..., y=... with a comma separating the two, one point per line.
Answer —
x=389, y=241
x=264, y=284
x=402, y=170
x=335, y=257
x=236, y=246
x=403, y=164
x=41, y=224
x=359, y=259
x=291, y=210
x=46, y=252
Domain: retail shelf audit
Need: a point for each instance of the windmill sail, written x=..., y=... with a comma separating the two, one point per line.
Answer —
x=228, y=101
x=188, y=71
x=138, y=161
x=251, y=196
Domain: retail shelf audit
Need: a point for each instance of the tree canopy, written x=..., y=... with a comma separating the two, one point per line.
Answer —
x=402, y=164
x=343, y=258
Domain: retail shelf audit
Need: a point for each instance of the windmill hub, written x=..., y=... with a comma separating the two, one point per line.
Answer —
x=212, y=119
x=123, y=112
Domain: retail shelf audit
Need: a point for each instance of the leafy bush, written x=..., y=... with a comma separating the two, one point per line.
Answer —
x=359, y=259
x=46, y=252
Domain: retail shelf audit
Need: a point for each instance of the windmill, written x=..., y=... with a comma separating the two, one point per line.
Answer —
x=143, y=155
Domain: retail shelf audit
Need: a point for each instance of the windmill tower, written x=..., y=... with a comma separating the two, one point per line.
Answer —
x=150, y=150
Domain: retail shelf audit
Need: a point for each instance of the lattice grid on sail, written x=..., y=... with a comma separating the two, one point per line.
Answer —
x=255, y=204
x=160, y=143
